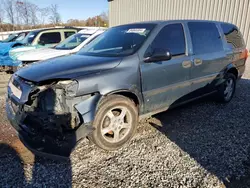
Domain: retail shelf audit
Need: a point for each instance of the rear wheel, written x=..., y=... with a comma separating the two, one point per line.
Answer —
x=227, y=89
x=115, y=122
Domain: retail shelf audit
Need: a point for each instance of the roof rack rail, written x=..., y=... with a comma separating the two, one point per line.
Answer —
x=69, y=27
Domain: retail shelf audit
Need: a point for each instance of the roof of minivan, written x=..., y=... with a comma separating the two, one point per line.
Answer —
x=61, y=28
x=170, y=21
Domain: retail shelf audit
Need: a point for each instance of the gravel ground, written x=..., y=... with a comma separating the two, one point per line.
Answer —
x=4, y=78
x=202, y=144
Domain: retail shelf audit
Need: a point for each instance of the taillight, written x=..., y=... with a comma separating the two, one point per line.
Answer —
x=246, y=53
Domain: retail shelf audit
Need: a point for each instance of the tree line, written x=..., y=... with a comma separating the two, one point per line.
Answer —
x=22, y=14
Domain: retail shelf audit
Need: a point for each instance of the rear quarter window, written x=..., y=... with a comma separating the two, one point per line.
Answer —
x=233, y=36
x=205, y=38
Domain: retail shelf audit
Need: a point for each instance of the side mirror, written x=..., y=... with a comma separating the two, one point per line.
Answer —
x=159, y=55
x=41, y=42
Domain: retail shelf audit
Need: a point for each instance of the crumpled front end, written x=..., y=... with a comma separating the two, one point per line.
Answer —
x=46, y=116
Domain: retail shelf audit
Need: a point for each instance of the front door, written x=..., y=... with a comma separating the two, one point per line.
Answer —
x=164, y=82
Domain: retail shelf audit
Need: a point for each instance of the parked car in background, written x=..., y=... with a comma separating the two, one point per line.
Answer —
x=69, y=46
x=42, y=38
x=15, y=37
x=130, y=71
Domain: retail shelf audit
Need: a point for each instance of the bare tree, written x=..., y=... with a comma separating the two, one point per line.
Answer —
x=33, y=13
x=1, y=14
x=9, y=6
x=24, y=11
x=1, y=17
x=43, y=14
x=27, y=12
x=55, y=17
x=19, y=12
x=104, y=16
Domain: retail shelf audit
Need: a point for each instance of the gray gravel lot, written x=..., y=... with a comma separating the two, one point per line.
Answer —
x=3, y=82
x=202, y=144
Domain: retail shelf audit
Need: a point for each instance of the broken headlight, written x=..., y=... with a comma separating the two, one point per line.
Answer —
x=71, y=87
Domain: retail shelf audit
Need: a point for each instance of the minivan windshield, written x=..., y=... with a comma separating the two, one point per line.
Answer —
x=72, y=42
x=119, y=41
x=30, y=37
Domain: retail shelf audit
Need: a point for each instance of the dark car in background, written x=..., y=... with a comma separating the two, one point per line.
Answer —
x=130, y=72
x=15, y=37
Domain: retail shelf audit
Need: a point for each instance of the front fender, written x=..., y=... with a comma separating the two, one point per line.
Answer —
x=88, y=107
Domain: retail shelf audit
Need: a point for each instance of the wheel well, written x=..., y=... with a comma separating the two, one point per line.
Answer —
x=129, y=95
x=233, y=71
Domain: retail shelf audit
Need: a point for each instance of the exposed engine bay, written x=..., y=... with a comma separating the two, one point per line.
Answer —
x=49, y=116
x=53, y=108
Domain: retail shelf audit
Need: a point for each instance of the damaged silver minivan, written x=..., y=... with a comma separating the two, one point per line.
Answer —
x=130, y=71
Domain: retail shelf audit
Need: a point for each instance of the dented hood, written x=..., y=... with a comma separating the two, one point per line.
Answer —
x=68, y=67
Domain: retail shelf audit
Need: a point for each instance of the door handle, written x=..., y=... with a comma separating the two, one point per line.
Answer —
x=186, y=64
x=197, y=62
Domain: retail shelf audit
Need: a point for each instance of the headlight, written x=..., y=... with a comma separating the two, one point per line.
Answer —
x=71, y=87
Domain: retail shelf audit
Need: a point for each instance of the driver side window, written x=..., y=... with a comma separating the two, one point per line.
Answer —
x=171, y=38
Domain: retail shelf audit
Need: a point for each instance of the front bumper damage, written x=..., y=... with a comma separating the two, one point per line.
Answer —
x=53, y=135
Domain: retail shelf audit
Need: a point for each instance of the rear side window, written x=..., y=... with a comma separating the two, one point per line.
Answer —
x=68, y=34
x=205, y=38
x=51, y=38
x=171, y=38
x=233, y=36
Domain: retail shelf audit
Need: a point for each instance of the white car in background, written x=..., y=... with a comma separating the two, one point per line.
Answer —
x=70, y=45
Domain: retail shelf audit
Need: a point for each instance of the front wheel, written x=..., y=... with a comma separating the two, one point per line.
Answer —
x=115, y=122
x=227, y=89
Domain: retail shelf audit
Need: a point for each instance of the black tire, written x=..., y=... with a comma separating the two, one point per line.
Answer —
x=109, y=116
x=222, y=97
